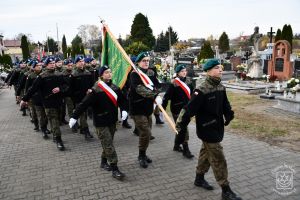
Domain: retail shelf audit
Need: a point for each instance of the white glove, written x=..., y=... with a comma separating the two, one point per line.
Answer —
x=72, y=122
x=124, y=115
x=158, y=100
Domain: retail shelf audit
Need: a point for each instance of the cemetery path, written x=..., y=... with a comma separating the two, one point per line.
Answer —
x=32, y=168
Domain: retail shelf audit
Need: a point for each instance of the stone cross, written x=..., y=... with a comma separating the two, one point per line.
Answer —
x=270, y=34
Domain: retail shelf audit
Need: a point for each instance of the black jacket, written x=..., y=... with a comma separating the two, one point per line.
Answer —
x=45, y=83
x=210, y=105
x=67, y=78
x=105, y=113
x=177, y=97
x=80, y=82
x=36, y=97
x=141, y=99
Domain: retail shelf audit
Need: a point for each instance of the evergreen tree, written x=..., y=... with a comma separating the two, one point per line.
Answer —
x=6, y=62
x=64, y=46
x=25, y=47
x=52, y=45
x=162, y=43
x=278, y=35
x=289, y=36
x=206, y=51
x=223, y=43
x=174, y=36
x=82, y=50
x=76, y=46
x=284, y=32
x=135, y=48
x=141, y=31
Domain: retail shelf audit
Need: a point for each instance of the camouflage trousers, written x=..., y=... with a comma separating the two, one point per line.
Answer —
x=186, y=137
x=32, y=110
x=83, y=120
x=41, y=115
x=211, y=154
x=106, y=136
x=143, y=124
x=69, y=105
x=53, y=118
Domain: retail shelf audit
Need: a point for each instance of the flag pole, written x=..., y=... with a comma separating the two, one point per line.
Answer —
x=169, y=120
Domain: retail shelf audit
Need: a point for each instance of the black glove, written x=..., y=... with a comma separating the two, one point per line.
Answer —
x=228, y=118
x=180, y=137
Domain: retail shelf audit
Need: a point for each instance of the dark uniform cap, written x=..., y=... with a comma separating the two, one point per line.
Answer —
x=49, y=59
x=102, y=69
x=78, y=58
x=89, y=59
x=57, y=59
x=68, y=61
x=34, y=63
x=210, y=64
x=141, y=56
x=179, y=67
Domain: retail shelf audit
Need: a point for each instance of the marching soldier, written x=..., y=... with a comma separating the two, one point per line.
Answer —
x=51, y=86
x=179, y=94
x=104, y=98
x=210, y=105
x=80, y=84
x=141, y=101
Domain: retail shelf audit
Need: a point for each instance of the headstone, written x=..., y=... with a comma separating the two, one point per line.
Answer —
x=280, y=65
x=255, y=68
x=235, y=61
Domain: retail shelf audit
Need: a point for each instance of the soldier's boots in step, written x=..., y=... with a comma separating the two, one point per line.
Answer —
x=23, y=111
x=178, y=148
x=36, y=126
x=45, y=132
x=143, y=159
x=158, y=120
x=59, y=143
x=125, y=124
x=201, y=182
x=104, y=165
x=116, y=173
x=228, y=194
x=87, y=133
x=186, y=151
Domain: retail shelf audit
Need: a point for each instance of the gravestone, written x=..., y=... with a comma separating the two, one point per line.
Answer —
x=235, y=61
x=280, y=66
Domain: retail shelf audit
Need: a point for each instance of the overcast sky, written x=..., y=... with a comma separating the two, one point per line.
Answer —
x=189, y=18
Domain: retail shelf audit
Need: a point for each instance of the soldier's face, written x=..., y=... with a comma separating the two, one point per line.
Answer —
x=70, y=65
x=59, y=64
x=22, y=65
x=94, y=62
x=216, y=71
x=38, y=67
x=107, y=75
x=144, y=63
x=182, y=73
x=80, y=64
x=51, y=65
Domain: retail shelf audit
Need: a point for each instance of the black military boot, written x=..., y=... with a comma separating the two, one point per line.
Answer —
x=24, y=112
x=45, y=135
x=59, y=143
x=87, y=133
x=143, y=159
x=36, y=126
x=136, y=132
x=104, y=165
x=158, y=120
x=228, y=194
x=116, y=172
x=152, y=137
x=177, y=147
x=125, y=124
x=186, y=151
x=201, y=182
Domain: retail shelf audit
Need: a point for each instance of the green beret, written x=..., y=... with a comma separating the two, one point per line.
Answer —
x=179, y=67
x=210, y=64
x=141, y=56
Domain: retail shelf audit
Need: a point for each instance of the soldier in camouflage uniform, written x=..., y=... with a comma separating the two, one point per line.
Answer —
x=52, y=86
x=141, y=100
x=15, y=76
x=210, y=105
x=21, y=83
x=104, y=98
x=80, y=83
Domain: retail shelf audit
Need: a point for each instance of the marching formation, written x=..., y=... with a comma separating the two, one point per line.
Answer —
x=79, y=88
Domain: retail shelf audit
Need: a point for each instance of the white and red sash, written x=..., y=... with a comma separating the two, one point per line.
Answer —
x=147, y=81
x=109, y=92
x=183, y=86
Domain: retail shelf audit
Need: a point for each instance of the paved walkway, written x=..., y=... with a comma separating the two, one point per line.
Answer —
x=32, y=168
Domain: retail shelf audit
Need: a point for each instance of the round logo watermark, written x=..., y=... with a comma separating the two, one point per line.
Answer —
x=284, y=177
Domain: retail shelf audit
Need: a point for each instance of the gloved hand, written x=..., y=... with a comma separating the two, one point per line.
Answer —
x=229, y=118
x=180, y=137
x=72, y=122
x=158, y=100
x=124, y=115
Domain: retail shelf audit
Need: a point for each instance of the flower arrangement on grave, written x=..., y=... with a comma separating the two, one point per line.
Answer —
x=266, y=77
x=163, y=73
x=292, y=82
x=241, y=71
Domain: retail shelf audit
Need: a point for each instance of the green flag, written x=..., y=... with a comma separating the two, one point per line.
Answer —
x=114, y=56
